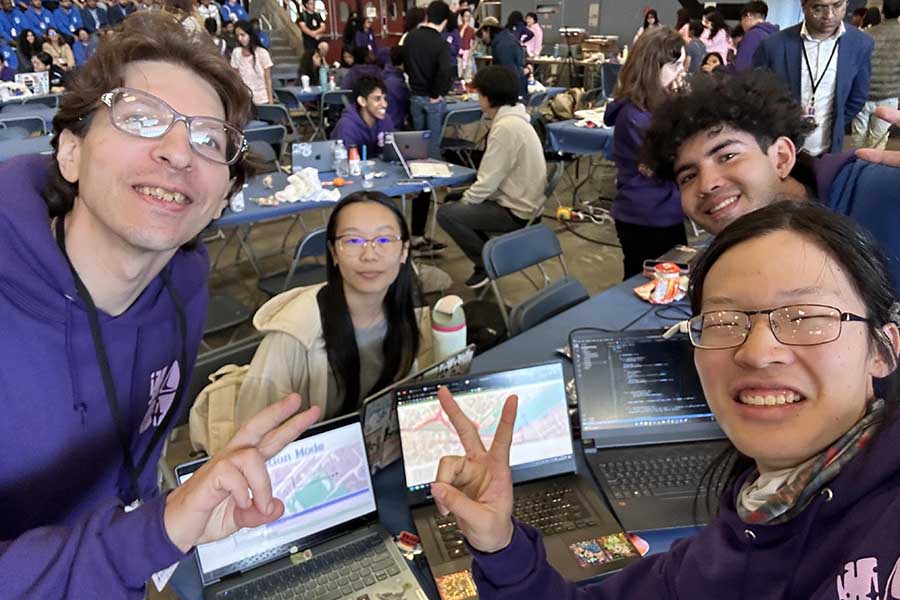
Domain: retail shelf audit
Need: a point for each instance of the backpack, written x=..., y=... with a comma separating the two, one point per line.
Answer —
x=212, y=416
x=562, y=107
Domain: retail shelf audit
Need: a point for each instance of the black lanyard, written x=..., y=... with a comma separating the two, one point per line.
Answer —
x=134, y=470
x=815, y=84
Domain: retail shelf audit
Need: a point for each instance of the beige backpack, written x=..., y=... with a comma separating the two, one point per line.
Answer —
x=212, y=416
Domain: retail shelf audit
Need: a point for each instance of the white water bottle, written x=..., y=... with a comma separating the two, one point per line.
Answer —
x=448, y=327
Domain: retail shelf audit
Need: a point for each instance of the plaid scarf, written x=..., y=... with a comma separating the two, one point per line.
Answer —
x=801, y=486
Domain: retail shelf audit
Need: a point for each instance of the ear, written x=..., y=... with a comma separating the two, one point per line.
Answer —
x=68, y=155
x=360, y=102
x=878, y=367
x=405, y=253
x=783, y=156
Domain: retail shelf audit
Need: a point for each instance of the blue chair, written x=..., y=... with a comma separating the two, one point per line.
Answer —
x=273, y=135
x=13, y=133
x=516, y=251
x=277, y=114
x=331, y=105
x=313, y=246
x=264, y=154
x=462, y=147
x=32, y=125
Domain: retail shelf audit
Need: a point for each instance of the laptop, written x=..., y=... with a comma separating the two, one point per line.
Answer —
x=379, y=411
x=647, y=429
x=312, y=154
x=328, y=543
x=581, y=536
x=411, y=145
x=416, y=164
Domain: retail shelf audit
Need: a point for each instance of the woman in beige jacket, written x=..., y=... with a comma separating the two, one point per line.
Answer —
x=59, y=50
x=338, y=342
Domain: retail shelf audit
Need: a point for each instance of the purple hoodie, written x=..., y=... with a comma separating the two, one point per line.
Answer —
x=353, y=130
x=743, y=60
x=640, y=200
x=397, y=93
x=64, y=532
x=843, y=546
x=357, y=71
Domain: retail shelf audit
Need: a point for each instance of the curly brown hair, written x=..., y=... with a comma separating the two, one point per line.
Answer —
x=151, y=36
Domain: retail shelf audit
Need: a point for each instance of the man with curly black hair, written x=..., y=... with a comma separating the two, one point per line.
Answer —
x=731, y=144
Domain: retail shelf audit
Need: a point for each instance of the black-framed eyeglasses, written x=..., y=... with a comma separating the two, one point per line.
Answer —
x=792, y=325
x=382, y=245
x=144, y=115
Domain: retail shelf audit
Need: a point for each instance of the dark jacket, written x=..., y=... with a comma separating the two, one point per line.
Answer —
x=64, y=532
x=365, y=39
x=782, y=53
x=743, y=60
x=426, y=56
x=88, y=19
x=354, y=73
x=398, y=95
x=844, y=545
x=640, y=199
x=507, y=51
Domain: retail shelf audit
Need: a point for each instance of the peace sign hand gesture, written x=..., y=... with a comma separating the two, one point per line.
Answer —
x=477, y=487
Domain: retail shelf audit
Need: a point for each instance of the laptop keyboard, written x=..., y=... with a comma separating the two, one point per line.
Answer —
x=656, y=476
x=551, y=510
x=329, y=576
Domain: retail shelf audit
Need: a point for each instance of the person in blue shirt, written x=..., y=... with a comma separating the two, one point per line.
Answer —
x=37, y=18
x=12, y=21
x=233, y=11
x=67, y=18
x=94, y=16
x=84, y=46
x=118, y=10
x=7, y=73
x=9, y=56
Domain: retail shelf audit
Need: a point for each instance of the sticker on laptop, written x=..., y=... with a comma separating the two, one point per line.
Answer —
x=601, y=550
x=456, y=586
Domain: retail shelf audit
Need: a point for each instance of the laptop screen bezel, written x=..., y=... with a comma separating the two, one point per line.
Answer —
x=300, y=544
x=519, y=474
x=634, y=436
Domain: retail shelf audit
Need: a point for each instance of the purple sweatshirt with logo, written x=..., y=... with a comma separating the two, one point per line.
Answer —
x=845, y=545
x=63, y=530
x=355, y=132
x=641, y=199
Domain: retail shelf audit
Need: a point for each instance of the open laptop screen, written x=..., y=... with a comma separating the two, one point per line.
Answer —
x=542, y=442
x=323, y=480
x=637, y=388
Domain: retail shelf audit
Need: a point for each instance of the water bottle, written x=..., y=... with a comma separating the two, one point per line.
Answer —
x=555, y=50
x=339, y=154
x=448, y=327
x=323, y=77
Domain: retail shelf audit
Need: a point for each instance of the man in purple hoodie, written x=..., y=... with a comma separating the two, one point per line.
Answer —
x=367, y=121
x=102, y=304
x=756, y=29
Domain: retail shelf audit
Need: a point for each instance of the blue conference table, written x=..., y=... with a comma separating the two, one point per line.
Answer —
x=565, y=137
x=32, y=145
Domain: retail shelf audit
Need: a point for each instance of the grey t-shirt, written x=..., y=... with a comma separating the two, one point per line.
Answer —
x=369, y=342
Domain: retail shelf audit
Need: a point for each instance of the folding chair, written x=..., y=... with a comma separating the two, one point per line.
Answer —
x=51, y=100
x=516, y=251
x=33, y=125
x=264, y=155
x=555, y=172
x=535, y=100
x=332, y=102
x=277, y=114
x=224, y=312
x=462, y=147
x=312, y=246
x=592, y=98
x=273, y=135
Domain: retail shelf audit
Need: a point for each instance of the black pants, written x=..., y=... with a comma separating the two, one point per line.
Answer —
x=420, y=206
x=641, y=242
x=472, y=225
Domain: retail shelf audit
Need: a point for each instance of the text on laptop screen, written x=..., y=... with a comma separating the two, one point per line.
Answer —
x=541, y=436
x=323, y=481
x=637, y=382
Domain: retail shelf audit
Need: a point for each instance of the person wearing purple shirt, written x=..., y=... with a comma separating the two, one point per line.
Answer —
x=756, y=29
x=365, y=37
x=646, y=210
x=804, y=383
x=397, y=90
x=363, y=65
x=369, y=122
x=102, y=306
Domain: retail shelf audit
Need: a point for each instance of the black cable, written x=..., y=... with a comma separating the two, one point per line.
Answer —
x=588, y=238
x=681, y=312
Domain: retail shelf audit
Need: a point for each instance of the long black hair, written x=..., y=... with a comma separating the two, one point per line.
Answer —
x=848, y=244
x=649, y=12
x=401, y=341
x=252, y=38
x=716, y=23
x=28, y=50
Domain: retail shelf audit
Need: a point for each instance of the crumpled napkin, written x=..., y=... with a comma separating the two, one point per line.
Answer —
x=304, y=186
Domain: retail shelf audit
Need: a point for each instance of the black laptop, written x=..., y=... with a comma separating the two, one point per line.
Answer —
x=327, y=545
x=648, y=432
x=581, y=536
